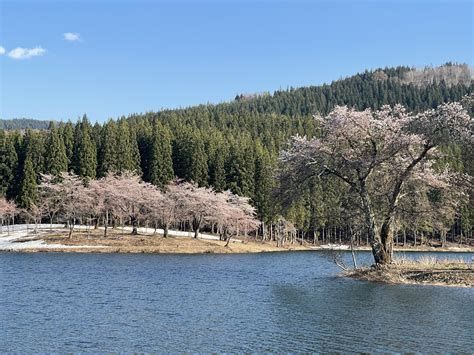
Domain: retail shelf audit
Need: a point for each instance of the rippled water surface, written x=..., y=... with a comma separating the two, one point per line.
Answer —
x=280, y=302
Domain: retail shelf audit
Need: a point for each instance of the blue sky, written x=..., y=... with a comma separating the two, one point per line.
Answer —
x=122, y=57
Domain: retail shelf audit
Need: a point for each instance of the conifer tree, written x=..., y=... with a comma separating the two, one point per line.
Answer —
x=216, y=151
x=264, y=184
x=161, y=163
x=28, y=194
x=136, y=160
x=68, y=139
x=33, y=147
x=85, y=159
x=124, y=158
x=218, y=175
x=144, y=133
x=241, y=168
x=198, y=170
x=55, y=152
x=107, y=150
x=8, y=164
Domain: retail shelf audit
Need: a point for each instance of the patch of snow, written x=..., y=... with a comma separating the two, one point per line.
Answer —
x=9, y=237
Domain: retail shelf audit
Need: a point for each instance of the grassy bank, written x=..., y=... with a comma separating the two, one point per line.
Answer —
x=426, y=271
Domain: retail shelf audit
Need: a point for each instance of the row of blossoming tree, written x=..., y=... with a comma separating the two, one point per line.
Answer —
x=127, y=200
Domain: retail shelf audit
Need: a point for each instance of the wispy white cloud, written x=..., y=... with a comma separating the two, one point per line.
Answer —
x=72, y=36
x=2, y=50
x=25, y=53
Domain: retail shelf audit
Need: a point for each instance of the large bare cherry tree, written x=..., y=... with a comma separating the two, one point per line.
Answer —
x=385, y=158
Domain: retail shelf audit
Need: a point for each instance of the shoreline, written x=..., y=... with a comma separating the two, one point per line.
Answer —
x=86, y=240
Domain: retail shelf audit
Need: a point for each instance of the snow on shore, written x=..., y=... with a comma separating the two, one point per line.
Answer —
x=16, y=237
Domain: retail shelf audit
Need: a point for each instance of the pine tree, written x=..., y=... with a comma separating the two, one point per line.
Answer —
x=216, y=151
x=144, y=133
x=28, y=194
x=107, y=150
x=33, y=147
x=189, y=156
x=218, y=175
x=67, y=133
x=136, y=159
x=85, y=159
x=264, y=184
x=55, y=152
x=198, y=170
x=124, y=158
x=161, y=163
x=8, y=165
x=241, y=168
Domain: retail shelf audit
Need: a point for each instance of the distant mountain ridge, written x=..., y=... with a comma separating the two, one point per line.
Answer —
x=24, y=123
x=417, y=88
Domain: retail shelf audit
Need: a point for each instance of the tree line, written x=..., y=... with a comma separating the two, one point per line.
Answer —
x=231, y=146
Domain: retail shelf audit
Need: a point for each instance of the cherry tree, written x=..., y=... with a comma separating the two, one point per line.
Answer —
x=196, y=205
x=164, y=206
x=127, y=196
x=105, y=194
x=34, y=212
x=50, y=199
x=7, y=212
x=233, y=213
x=74, y=199
x=384, y=157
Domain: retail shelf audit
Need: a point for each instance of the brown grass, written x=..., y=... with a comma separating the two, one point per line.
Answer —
x=116, y=242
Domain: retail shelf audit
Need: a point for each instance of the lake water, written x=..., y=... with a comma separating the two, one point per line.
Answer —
x=278, y=302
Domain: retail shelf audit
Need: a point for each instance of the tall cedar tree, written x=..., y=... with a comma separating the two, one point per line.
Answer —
x=85, y=159
x=264, y=183
x=55, y=152
x=161, y=163
x=136, y=160
x=107, y=150
x=124, y=152
x=28, y=193
x=67, y=133
x=198, y=171
x=8, y=164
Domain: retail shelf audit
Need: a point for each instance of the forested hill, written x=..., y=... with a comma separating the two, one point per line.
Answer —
x=232, y=145
x=417, y=89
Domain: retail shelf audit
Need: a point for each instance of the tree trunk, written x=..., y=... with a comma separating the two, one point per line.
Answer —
x=165, y=231
x=354, y=261
x=71, y=228
x=382, y=248
x=106, y=223
x=381, y=243
x=134, y=225
x=228, y=240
